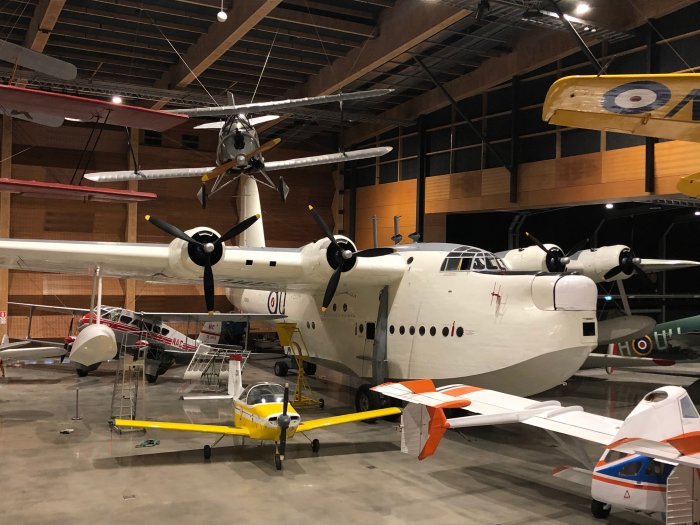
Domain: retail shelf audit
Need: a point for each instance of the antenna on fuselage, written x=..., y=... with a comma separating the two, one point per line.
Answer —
x=397, y=237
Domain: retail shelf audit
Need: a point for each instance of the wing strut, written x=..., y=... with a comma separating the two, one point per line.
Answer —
x=92, y=151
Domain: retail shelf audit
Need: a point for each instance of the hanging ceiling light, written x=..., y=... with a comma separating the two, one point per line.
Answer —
x=221, y=16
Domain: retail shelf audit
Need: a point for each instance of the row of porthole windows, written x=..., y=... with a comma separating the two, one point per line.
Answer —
x=459, y=332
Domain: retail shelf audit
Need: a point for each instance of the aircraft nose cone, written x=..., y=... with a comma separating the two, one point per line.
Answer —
x=209, y=247
x=283, y=420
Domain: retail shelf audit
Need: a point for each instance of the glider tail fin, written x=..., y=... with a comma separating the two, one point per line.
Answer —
x=422, y=428
x=211, y=333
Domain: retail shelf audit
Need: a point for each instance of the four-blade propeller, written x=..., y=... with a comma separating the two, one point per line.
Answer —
x=628, y=264
x=341, y=257
x=205, y=249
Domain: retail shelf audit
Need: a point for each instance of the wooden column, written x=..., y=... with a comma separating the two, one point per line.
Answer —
x=130, y=235
x=5, y=171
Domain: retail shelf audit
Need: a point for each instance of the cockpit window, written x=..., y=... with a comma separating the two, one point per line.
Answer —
x=125, y=319
x=466, y=258
x=687, y=408
x=263, y=393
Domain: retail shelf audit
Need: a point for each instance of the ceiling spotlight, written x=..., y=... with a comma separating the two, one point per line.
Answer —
x=610, y=205
x=582, y=8
x=221, y=16
x=116, y=99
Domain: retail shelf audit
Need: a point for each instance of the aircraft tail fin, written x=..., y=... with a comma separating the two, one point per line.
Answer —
x=211, y=333
x=422, y=428
x=235, y=379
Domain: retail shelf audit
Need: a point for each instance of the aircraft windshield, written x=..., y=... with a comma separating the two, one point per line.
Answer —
x=468, y=258
x=263, y=393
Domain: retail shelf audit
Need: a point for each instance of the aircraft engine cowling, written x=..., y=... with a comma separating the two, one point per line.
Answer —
x=534, y=259
x=596, y=263
x=186, y=260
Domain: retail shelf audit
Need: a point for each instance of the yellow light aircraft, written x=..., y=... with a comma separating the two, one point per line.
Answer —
x=663, y=105
x=262, y=412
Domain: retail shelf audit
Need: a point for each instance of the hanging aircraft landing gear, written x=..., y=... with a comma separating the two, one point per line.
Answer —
x=315, y=446
x=207, y=452
x=278, y=461
x=599, y=509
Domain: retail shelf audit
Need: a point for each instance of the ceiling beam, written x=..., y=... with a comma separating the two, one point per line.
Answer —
x=45, y=16
x=213, y=44
x=535, y=49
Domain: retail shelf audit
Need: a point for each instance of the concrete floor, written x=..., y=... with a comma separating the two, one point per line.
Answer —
x=483, y=476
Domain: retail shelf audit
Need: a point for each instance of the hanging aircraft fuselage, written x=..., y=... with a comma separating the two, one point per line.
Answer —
x=237, y=140
x=521, y=332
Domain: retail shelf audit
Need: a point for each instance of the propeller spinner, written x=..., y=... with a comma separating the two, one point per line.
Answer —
x=555, y=259
x=204, y=249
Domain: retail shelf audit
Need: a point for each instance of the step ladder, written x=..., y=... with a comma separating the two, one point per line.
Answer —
x=130, y=376
x=209, y=365
x=682, y=491
x=303, y=395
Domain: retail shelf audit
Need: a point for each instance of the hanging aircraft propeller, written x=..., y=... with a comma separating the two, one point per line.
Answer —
x=283, y=421
x=342, y=257
x=555, y=260
x=205, y=249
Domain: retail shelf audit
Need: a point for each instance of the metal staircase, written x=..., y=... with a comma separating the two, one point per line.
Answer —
x=129, y=377
x=209, y=365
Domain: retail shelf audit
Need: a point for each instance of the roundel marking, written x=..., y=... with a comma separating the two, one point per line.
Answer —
x=642, y=346
x=636, y=97
x=272, y=303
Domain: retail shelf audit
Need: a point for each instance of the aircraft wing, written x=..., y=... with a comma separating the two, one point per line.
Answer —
x=33, y=188
x=185, y=427
x=305, y=426
x=303, y=269
x=25, y=57
x=35, y=352
x=57, y=309
x=499, y=408
x=327, y=159
x=22, y=101
x=174, y=173
x=261, y=107
x=215, y=317
x=595, y=360
x=662, y=265
x=659, y=105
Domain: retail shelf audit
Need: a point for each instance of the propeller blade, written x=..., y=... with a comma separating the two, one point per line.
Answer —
x=332, y=287
x=612, y=272
x=284, y=421
x=169, y=228
x=237, y=229
x=374, y=252
x=209, y=286
x=536, y=241
x=219, y=170
x=324, y=227
x=580, y=245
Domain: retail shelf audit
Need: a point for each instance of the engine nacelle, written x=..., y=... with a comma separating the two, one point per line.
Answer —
x=596, y=262
x=530, y=259
x=182, y=257
x=95, y=343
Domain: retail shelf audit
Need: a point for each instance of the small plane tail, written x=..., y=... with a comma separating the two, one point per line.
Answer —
x=210, y=334
x=422, y=428
x=235, y=379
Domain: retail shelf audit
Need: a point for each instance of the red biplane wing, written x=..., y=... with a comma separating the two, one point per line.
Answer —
x=25, y=103
x=33, y=188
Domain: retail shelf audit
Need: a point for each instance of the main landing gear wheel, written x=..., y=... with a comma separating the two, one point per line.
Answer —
x=207, y=452
x=366, y=399
x=321, y=403
x=599, y=509
x=281, y=369
x=309, y=368
x=151, y=378
x=81, y=372
x=315, y=445
x=278, y=462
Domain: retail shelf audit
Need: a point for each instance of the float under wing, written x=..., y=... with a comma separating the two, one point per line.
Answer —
x=176, y=173
x=660, y=105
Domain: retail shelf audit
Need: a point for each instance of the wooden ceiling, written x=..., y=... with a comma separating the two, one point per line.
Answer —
x=174, y=53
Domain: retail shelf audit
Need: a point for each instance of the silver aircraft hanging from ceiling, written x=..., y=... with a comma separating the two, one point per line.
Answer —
x=239, y=150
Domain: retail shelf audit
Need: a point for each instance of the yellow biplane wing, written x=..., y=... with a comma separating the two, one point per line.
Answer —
x=690, y=185
x=305, y=426
x=663, y=106
x=186, y=427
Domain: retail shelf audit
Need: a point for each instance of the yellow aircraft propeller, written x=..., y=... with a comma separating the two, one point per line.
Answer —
x=220, y=170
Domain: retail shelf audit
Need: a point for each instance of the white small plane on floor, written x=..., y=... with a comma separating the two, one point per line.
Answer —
x=239, y=150
x=651, y=461
x=20, y=350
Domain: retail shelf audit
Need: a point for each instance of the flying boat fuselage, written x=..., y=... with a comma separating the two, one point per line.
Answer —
x=455, y=316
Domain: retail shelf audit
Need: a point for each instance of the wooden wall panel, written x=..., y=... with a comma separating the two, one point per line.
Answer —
x=385, y=201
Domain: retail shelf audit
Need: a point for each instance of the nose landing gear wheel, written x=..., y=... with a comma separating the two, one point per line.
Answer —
x=207, y=452
x=599, y=509
x=278, y=462
x=315, y=445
